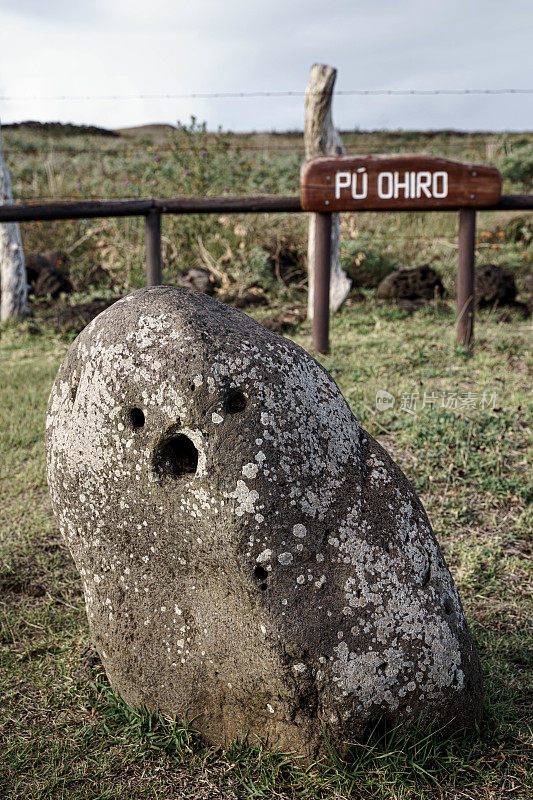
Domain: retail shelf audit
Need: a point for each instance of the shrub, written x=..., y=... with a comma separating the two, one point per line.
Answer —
x=363, y=261
x=520, y=230
x=518, y=165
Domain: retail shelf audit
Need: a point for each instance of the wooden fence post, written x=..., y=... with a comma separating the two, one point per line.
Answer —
x=465, y=276
x=322, y=260
x=13, y=279
x=153, y=248
x=321, y=138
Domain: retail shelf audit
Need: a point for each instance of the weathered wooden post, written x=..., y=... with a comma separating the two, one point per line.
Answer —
x=153, y=248
x=13, y=280
x=321, y=138
x=323, y=226
x=465, y=276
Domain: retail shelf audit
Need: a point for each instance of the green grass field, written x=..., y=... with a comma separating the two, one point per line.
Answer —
x=459, y=429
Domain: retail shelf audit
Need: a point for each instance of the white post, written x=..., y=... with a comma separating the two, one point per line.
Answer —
x=321, y=138
x=13, y=281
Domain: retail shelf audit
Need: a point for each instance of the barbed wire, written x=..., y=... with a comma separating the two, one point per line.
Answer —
x=261, y=94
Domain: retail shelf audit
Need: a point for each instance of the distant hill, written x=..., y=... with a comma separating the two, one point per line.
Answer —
x=158, y=132
x=60, y=128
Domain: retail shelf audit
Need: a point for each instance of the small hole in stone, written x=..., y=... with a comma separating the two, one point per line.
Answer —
x=426, y=576
x=136, y=416
x=176, y=456
x=263, y=587
x=235, y=402
x=448, y=607
x=260, y=573
x=386, y=547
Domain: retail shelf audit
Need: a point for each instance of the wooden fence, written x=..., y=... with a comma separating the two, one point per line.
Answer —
x=152, y=209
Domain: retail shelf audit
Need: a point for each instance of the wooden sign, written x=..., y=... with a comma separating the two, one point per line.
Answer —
x=354, y=183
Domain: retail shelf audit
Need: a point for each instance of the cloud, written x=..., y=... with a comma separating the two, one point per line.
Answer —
x=129, y=47
x=52, y=11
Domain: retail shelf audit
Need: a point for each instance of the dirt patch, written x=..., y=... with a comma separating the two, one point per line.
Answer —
x=65, y=318
x=244, y=298
x=285, y=320
x=86, y=666
x=13, y=585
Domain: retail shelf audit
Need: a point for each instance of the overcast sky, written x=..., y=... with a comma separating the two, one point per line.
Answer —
x=132, y=47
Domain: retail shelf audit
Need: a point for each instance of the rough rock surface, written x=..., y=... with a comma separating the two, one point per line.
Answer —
x=45, y=279
x=64, y=317
x=494, y=285
x=249, y=554
x=410, y=284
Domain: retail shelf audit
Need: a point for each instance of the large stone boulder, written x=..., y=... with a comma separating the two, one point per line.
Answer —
x=249, y=554
x=494, y=285
x=411, y=284
x=45, y=278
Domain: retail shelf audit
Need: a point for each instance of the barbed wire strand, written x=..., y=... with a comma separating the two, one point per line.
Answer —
x=261, y=94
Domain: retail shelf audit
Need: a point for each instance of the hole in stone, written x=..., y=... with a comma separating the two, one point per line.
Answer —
x=386, y=547
x=235, y=402
x=176, y=456
x=136, y=416
x=426, y=576
x=260, y=573
x=263, y=587
x=448, y=607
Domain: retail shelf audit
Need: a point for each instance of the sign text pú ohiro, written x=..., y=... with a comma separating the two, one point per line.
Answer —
x=347, y=183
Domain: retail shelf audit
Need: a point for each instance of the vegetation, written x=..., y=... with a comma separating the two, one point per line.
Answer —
x=458, y=428
x=166, y=162
x=518, y=164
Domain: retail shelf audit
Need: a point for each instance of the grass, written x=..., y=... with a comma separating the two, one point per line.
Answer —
x=459, y=428
x=65, y=734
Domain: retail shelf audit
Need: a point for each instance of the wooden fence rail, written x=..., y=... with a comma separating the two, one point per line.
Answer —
x=152, y=208
x=266, y=204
